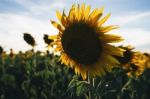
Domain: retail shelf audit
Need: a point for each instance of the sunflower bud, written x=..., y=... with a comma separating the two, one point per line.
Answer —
x=11, y=53
x=47, y=40
x=29, y=39
x=127, y=54
x=1, y=50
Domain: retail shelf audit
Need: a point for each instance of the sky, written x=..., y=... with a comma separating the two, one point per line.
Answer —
x=33, y=16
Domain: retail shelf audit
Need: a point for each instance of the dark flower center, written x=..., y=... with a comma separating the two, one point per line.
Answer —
x=81, y=43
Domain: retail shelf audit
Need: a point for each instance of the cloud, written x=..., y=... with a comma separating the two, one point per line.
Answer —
x=134, y=29
x=131, y=18
x=137, y=37
x=12, y=27
x=38, y=7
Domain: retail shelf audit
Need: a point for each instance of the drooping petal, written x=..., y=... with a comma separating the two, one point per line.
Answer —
x=113, y=50
x=110, y=38
x=111, y=60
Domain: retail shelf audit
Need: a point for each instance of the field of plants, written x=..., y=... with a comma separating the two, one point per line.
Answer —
x=40, y=75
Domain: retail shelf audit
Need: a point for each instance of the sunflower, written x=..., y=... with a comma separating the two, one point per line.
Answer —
x=138, y=64
x=84, y=43
x=134, y=62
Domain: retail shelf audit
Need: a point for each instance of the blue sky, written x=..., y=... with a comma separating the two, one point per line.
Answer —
x=33, y=16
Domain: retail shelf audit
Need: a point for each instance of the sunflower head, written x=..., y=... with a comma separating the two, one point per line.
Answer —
x=84, y=42
x=29, y=39
x=137, y=65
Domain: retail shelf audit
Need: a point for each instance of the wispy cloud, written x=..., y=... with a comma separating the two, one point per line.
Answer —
x=13, y=26
x=133, y=29
x=38, y=7
x=132, y=17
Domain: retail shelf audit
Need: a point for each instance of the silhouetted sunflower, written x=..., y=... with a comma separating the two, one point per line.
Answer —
x=127, y=56
x=29, y=39
x=84, y=42
x=46, y=40
x=1, y=50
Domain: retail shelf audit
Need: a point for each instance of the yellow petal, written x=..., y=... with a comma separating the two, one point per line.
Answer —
x=110, y=38
x=59, y=16
x=53, y=37
x=106, y=29
x=87, y=11
x=83, y=74
x=58, y=49
x=112, y=50
x=58, y=26
x=94, y=13
x=111, y=60
x=103, y=20
x=97, y=15
x=82, y=11
x=71, y=13
x=64, y=19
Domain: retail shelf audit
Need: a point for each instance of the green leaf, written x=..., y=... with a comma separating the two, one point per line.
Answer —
x=82, y=88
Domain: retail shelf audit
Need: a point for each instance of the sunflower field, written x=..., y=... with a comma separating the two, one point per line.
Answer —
x=80, y=63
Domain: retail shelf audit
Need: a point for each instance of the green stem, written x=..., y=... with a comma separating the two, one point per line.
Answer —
x=91, y=81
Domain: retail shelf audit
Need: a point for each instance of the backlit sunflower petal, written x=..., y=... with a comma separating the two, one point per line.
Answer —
x=103, y=20
x=94, y=13
x=82, y=11
x=71, y=13
x=111, y=38
x=83, y=74
x=105, y=29
x=76, y=70
x=94, y=16
x=97, y=16
x=58, y=49
x=87, y=11
x=112, y=50
x=112, y=60
x=58, y=26
x=53, y=37
x=64, y=20
x=59, y=16
x=101, y=71
x=79, y=12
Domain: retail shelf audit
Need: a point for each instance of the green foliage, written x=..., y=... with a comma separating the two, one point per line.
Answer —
x=39, y=75
x=32, y=75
